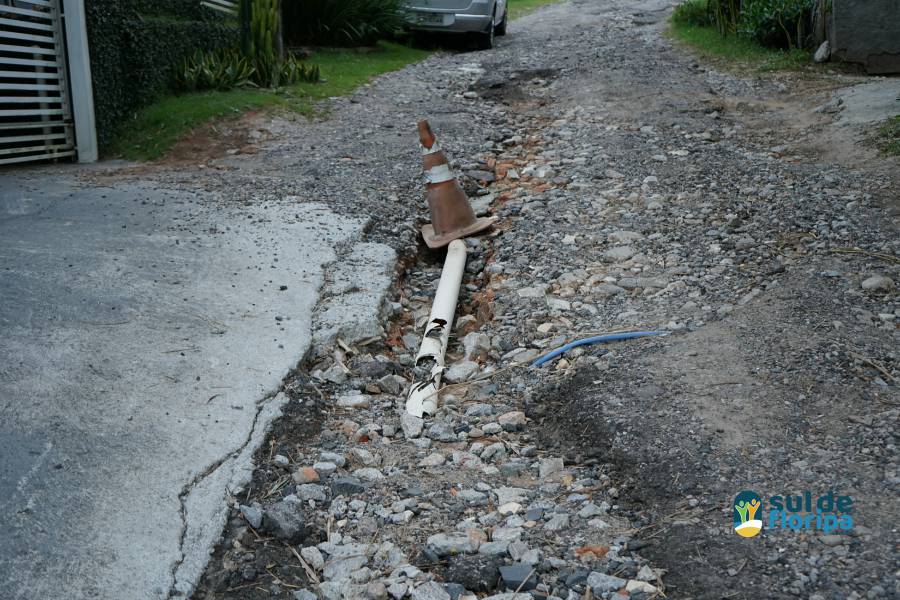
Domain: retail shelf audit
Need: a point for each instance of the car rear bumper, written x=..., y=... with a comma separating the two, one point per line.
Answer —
x=475, y=18
x=454, y=23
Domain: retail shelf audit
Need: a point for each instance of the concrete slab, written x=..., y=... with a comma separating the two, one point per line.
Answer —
x=143, y=335
x=354, y=295
x=870, y=103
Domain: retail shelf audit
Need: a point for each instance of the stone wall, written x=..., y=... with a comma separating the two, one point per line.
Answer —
x=867, y=32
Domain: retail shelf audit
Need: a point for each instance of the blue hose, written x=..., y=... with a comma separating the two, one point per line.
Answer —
x=597, y=339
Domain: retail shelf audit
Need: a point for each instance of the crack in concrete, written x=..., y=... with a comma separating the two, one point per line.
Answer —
x=342, y=251
x=186, y=489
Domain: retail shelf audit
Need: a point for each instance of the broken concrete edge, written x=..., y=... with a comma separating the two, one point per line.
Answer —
x=203, y=521
x=352, y=314
x=346, y=313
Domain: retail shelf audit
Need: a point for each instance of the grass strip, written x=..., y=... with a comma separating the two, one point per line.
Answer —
x=156, y=128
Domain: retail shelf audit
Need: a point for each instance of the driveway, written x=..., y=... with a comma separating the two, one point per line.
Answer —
x=144, y=333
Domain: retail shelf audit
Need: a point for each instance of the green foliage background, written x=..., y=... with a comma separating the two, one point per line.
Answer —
x=135, y=44
x=773, y=23
x=341, y=22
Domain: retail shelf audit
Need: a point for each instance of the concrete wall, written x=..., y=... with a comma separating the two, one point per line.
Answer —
x=867, y=32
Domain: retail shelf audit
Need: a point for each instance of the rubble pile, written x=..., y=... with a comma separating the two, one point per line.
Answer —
x=388, y=505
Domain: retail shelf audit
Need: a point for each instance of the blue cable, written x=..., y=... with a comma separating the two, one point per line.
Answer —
x=597, y=339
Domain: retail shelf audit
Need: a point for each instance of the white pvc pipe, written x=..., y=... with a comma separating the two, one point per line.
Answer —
x=422, y=398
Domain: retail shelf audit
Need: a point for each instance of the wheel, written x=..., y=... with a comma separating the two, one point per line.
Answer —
x=486, y=39
x=500, y=29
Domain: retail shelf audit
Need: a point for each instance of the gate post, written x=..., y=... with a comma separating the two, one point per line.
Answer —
x=80, y=77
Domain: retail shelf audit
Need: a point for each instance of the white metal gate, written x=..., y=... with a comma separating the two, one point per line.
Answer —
x=35, y=112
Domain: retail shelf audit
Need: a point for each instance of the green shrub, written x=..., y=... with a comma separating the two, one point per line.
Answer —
x=725, y=15
x=693, y=12
x=133, y=53
x=216, y=70
x=265, y=43
x=778, y=23
x=341, y=22
x=228, y=69
x=772, y=23
x=293, y=70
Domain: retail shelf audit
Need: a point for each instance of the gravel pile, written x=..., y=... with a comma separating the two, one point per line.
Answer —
x=383, y=504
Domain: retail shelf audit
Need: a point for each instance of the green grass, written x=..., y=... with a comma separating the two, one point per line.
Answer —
x=519, y=8
x=159, y=126
x=887, y=137
x=345, y=70
x=736, y=50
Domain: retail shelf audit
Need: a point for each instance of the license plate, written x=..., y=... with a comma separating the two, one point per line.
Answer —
x=429, y=19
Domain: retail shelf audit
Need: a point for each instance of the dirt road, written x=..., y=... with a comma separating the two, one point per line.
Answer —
x=640, y=190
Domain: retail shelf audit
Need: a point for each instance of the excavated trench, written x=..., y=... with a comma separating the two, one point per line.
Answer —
x=311, y=406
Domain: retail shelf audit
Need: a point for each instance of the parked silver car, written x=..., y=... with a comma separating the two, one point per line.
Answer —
x=484, y=18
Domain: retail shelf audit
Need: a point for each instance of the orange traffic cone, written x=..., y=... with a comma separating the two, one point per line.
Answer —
x=451, y=216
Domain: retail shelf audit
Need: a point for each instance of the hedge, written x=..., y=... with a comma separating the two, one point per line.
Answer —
x=134, y=45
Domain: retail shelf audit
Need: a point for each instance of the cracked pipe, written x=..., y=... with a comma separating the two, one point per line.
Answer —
x=422, y=398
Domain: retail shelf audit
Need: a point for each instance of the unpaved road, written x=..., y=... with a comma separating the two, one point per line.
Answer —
x=637, y=189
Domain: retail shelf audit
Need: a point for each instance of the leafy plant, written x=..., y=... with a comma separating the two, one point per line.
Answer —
x=293, y=70
x=136, y=47
x=216, y=70
x=773, y=23
x=265, y=42
x=693, y=12
x=725, y=15
x=228, y=69
x=245, y=15
x=341, y=22
x=778, y=23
